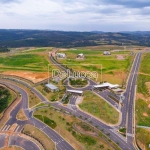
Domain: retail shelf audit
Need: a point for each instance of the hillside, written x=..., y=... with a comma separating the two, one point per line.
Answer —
x=25, y=38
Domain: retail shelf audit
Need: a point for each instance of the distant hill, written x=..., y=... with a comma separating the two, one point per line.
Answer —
x=3, y=49
x=40, y=38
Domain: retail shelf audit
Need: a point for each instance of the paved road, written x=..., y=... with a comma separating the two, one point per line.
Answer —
x=22, y=142
x=2, y=140
x=61, y=144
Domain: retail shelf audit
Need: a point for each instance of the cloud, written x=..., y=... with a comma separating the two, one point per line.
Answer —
x=75, y=14
x=9, y=1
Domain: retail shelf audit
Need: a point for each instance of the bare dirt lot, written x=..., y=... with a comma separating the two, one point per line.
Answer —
x=32, y=76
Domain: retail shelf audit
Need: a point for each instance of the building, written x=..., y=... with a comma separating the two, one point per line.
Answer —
x=52, y=87
x=80, y=56
x=61, y=55
x=78, y=92
x=106, y=85
x=117, y=91
x=106, y=53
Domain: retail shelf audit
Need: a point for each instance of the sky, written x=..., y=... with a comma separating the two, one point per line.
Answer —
x=76, y=15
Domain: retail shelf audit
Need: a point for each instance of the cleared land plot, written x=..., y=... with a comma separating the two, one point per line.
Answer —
x=42, y=137
x=111, y=67
x=98, y=107
x=65, y=129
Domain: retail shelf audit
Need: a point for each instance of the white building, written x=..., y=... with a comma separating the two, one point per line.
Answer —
x=61, y=55
x=107, y=85
x=80, y=56
x=52, y=87
x=106, y=53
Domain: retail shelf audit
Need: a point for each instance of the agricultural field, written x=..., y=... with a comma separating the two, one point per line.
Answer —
x=99, y=108
x=64, y=126
x=113, y=70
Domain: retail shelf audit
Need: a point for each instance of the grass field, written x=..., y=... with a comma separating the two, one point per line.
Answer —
x=142, y=112
x=142, y=87
x=42, y=137
x=93, y=61
x=145, y=64
x=143, y=138
x=46, y=120
x=99, y=108
x=30, y=62
x=65, y=129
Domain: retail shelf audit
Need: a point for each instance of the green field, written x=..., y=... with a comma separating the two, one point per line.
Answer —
x=30, y=62
x=99, y=108
x=143, y=138
x=145, y=68
x=46, y=120
x=141, y=109
x=93, y=61
x=142, y=87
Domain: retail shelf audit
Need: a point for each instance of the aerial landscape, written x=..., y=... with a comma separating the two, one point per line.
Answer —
x=74, y=75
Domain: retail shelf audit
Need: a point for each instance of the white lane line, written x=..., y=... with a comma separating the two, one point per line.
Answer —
x=4, y=127
x=16, y=129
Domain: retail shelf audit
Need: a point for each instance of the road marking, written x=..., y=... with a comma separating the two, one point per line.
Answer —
x=4, y=127
x=16, y=129
x=129, y=134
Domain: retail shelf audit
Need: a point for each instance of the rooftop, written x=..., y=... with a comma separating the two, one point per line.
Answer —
x=51, y=86
x=75, y=91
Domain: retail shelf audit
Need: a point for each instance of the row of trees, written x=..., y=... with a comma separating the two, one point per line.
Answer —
x=4, y=49
x=4, y=98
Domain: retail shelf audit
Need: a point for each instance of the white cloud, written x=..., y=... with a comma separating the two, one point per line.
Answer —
x=74, y=15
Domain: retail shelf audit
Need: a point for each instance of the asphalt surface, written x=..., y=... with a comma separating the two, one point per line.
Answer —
x=22, y=142
x=61, y=144
x=2, y=140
